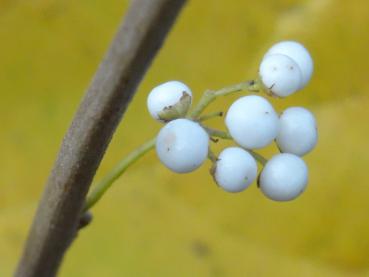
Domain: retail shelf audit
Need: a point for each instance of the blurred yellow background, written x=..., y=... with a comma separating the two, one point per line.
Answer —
x=154, y=222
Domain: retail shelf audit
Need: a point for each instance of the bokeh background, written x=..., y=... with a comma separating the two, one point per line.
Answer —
x=154, y=222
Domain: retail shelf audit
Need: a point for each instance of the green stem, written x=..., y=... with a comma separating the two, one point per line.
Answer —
x=211, y=156
x=209, y=116
x=117, y=171
x=258, y=157
x=217, y=133
x=226, y=135
x=209, y=95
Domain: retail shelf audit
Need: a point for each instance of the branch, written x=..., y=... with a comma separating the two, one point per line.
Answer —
x=57, y=218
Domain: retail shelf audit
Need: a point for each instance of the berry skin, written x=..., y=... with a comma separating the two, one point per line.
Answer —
x=235, y=169
x=297, y=52
x=252, y=122
x=280, y=75
x=297, y=131
x=170, y=95
x=182, y=145
x=284, y=177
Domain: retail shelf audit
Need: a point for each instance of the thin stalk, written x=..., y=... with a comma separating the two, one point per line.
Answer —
x=209, y=96
x=211, y=156
x=101, y=187
x=217, y=133
x=209, y=116
x=258, y=157
x=226, y=135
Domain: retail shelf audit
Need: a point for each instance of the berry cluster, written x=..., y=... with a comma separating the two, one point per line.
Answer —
x=182, y=144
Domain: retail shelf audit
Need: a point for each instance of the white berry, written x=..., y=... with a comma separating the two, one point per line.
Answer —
x=235, y=169
x=284, y=177
x=297, y=52
x=252, y=122
x=166, y=96
x=297, y=132
x=280, y=74
x=182, y=145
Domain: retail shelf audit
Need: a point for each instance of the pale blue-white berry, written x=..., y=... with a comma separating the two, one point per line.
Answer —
x=280, y=75
x=297, y=52
x=182, y=145
x=252, y=122
x=169, y=100
x=284, y=177
x=235, y=169
x=297, y=132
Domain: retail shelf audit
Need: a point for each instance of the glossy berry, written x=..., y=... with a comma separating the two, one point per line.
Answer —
x=252, y=122
x=182, y=145
x=280, y=75
x=297, y=132
x=170, y=95
x=235, y=169
x=297, y=52
x=284, y=177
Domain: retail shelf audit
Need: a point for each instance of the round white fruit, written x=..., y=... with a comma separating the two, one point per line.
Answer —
x=166, y=96
x=182, y=145
x=297, y=52
x=280, y=74
x=252, y=122
x=297, y=131
x=284, y=177
x=235, y=169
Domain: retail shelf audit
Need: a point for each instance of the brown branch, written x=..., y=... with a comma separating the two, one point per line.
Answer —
x=58, y=215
